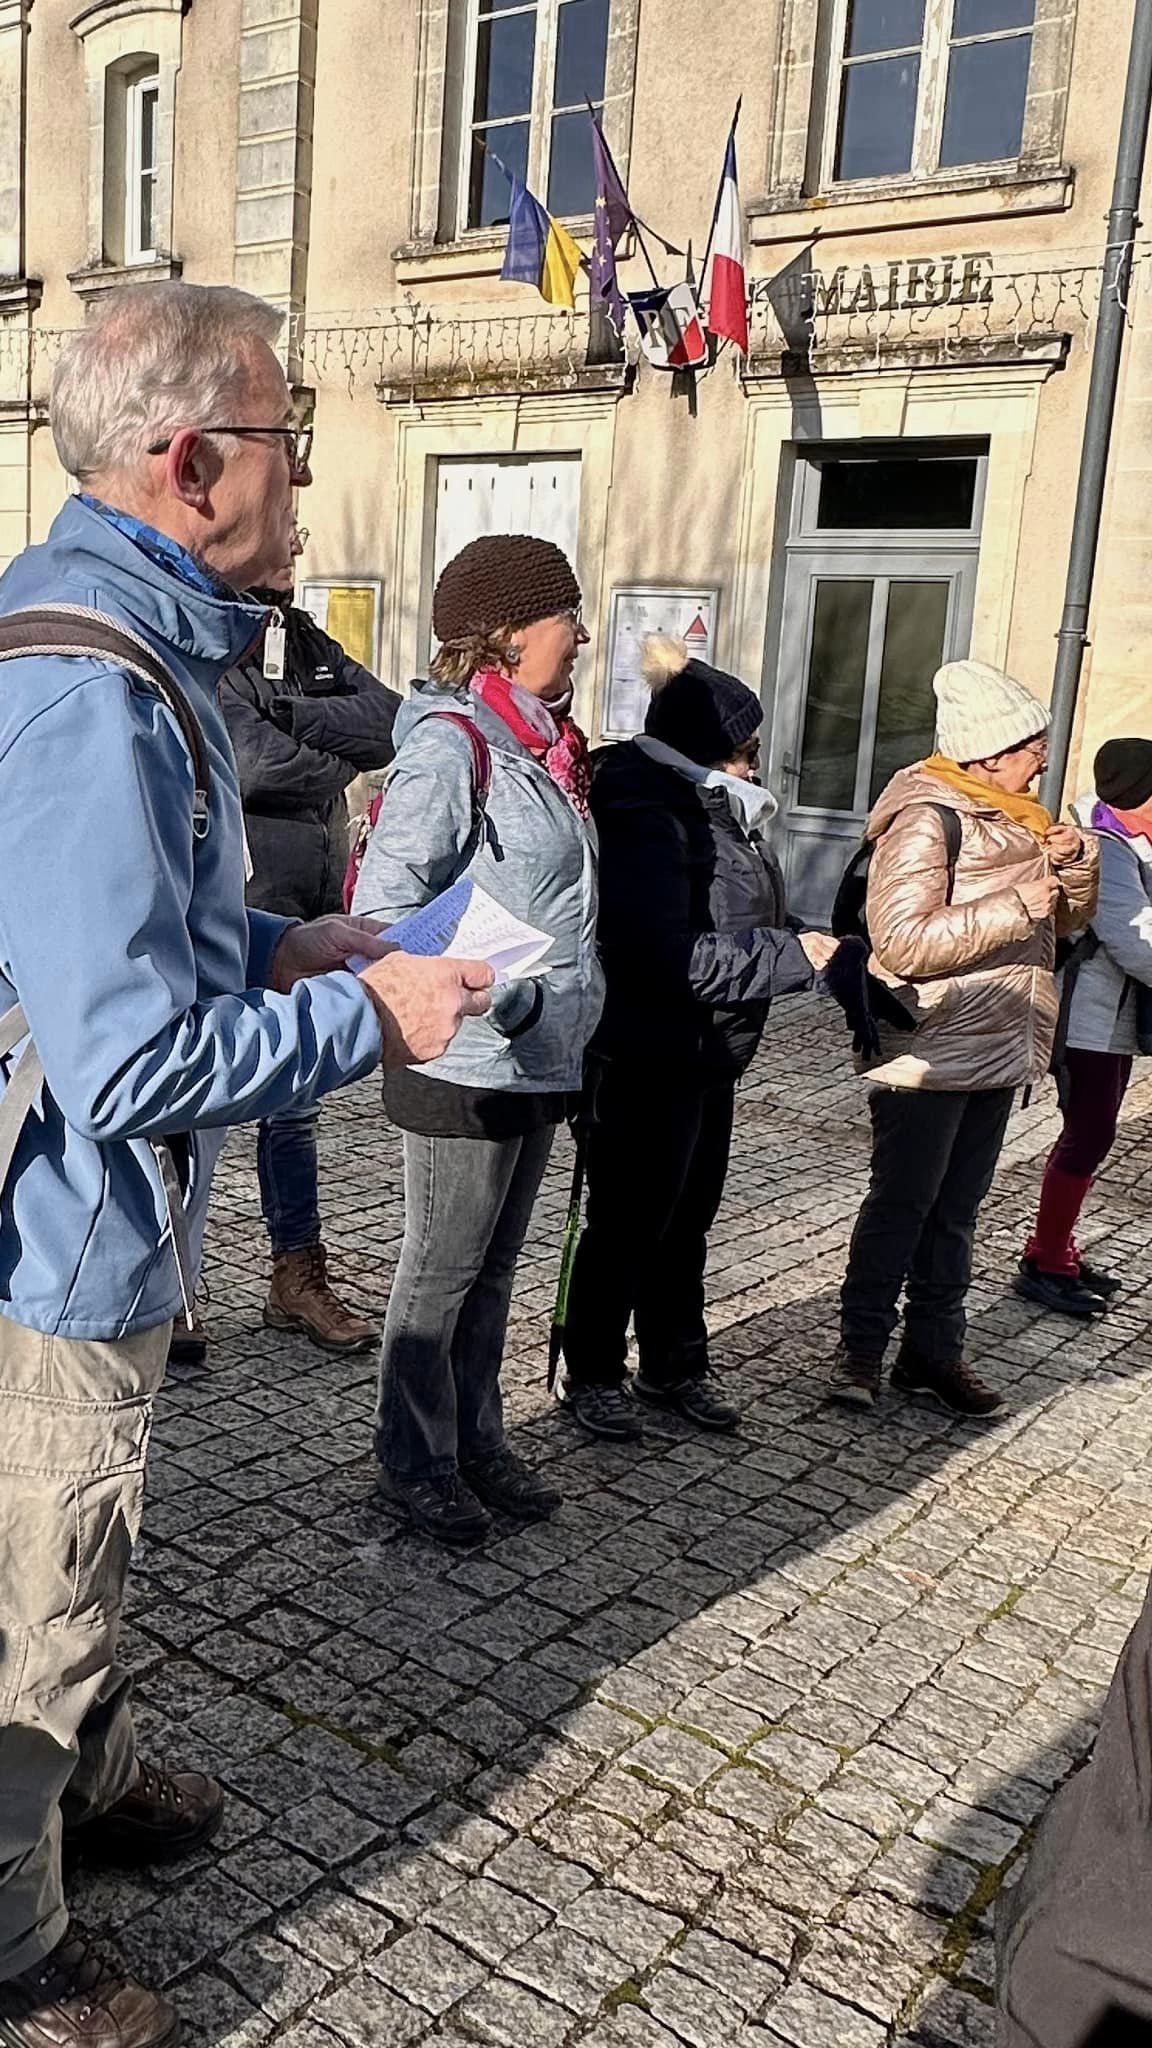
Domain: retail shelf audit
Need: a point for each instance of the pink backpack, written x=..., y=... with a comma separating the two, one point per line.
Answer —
x=481, y=784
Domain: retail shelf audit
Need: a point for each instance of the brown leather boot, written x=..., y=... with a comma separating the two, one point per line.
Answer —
x=301, y=1299
x=75, y=1998
x=162, y=1816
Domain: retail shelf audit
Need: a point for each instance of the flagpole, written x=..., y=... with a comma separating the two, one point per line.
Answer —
x=637, y=223
x=720, y=192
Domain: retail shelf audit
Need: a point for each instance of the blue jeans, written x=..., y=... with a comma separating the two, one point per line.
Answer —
x=286, y=1166
x=467, y=1206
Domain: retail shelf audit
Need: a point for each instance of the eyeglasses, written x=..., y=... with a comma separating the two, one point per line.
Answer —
x=297, y=442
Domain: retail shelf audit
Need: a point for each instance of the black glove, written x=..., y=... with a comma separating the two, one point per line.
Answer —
x=886, y=1005
x=846, y=980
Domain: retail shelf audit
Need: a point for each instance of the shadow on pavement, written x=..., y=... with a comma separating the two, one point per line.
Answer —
x=747, y=1738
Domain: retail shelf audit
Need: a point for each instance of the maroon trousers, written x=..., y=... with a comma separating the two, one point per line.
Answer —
x=1095, y=1084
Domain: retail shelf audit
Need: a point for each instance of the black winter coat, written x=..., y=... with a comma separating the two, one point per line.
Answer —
x=299, y=741
x=693, y=931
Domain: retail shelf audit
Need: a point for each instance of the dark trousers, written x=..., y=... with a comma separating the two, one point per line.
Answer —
x=287, y=1172
x=298, y=871
x=657, y=1162
x=934, y=1152
x=1093, y=1086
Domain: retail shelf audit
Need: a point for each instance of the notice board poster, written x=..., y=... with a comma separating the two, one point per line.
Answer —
x=348, y=608
x=637, y=610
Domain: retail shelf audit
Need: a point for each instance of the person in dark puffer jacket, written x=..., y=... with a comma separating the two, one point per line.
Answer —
x=695, y=942
x=305, y=720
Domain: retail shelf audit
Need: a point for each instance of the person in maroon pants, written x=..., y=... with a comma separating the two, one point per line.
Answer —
x=1108, y=1008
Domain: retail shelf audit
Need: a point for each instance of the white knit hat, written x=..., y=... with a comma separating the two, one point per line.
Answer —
x=980, y=711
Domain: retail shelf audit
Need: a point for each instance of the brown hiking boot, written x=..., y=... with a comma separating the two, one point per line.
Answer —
x=75, y=1998
x=162, y=1816
x=953, y=1384
x=301, y=1299
x=855, y=1378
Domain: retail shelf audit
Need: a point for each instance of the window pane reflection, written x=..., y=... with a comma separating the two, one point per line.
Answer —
x=984, y=110
x=913, y=651
x=489, y=192
x=981, y=17
x=581, y=52
x=835, y=694
x=878, y=118
x=883, y=25
x=505, y=55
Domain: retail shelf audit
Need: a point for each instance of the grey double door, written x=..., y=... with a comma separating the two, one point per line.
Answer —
x=868, y=615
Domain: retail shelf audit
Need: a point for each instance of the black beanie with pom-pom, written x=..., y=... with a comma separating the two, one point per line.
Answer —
x=701, y=711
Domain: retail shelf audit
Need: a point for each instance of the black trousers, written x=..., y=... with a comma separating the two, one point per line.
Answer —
x=657, y=1162
x=934, y=1152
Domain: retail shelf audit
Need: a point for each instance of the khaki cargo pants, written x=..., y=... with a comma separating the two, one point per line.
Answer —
x=74, y=1424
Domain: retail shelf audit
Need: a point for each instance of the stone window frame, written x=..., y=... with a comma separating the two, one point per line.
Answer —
x=439, y=121
x=807, y=79
x=120, y=38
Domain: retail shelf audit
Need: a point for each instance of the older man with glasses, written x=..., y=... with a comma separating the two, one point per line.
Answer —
x=143, y=1010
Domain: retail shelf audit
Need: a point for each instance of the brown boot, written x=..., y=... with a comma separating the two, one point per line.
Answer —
x=301, y=1299
x=162, y=1816
x=77, y=1999
x=188, y=1346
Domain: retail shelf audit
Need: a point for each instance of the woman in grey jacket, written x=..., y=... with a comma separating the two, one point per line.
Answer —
x=1109, y=1019
x=478, y=1124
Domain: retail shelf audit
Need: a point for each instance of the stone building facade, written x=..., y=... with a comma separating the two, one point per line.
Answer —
x=887, y=477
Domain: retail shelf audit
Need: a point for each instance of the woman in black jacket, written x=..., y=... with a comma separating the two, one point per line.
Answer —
x=695, y=942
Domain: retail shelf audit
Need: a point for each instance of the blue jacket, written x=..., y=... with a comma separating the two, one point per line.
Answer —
x=129, y=946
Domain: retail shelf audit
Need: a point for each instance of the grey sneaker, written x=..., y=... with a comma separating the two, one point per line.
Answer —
x=445, y=1509
x=506, y=1485
x=608, y=1412
x=696, y=1400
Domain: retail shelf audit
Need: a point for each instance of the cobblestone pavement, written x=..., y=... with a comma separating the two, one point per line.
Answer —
x=741, y=1746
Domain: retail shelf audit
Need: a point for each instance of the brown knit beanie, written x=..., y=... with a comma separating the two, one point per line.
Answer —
x=502, y=579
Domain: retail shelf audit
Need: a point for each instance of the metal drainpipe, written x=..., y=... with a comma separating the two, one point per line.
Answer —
x=1072, y=638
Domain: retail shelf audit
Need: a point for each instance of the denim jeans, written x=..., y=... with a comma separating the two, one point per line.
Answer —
x=934, y=1153
x=467, y=1206
x=286, y=1166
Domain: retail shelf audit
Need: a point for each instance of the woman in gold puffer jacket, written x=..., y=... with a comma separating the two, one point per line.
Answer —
x=971, y=956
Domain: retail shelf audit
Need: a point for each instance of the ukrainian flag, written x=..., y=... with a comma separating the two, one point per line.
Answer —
x=540, y=251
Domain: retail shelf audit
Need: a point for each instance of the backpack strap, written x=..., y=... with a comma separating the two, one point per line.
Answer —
x=953, y=836
x=481, y=755
x=23, y=1084
x=481, y=784
x=74, y=629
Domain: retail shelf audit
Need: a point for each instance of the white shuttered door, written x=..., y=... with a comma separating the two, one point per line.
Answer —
x=536, y=494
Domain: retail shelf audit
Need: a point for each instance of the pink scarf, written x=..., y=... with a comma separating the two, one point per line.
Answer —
x=564, y=754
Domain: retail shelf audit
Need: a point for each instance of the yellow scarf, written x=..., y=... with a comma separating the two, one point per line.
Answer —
x=1023, y=809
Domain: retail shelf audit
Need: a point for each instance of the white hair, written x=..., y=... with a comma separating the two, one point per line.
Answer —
x=156, y=357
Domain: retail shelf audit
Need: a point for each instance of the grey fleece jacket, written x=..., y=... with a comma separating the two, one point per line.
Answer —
x=535, y=856
x=1102, y=1016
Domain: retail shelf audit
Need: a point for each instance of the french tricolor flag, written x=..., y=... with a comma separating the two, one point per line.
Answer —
x=727, y=289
